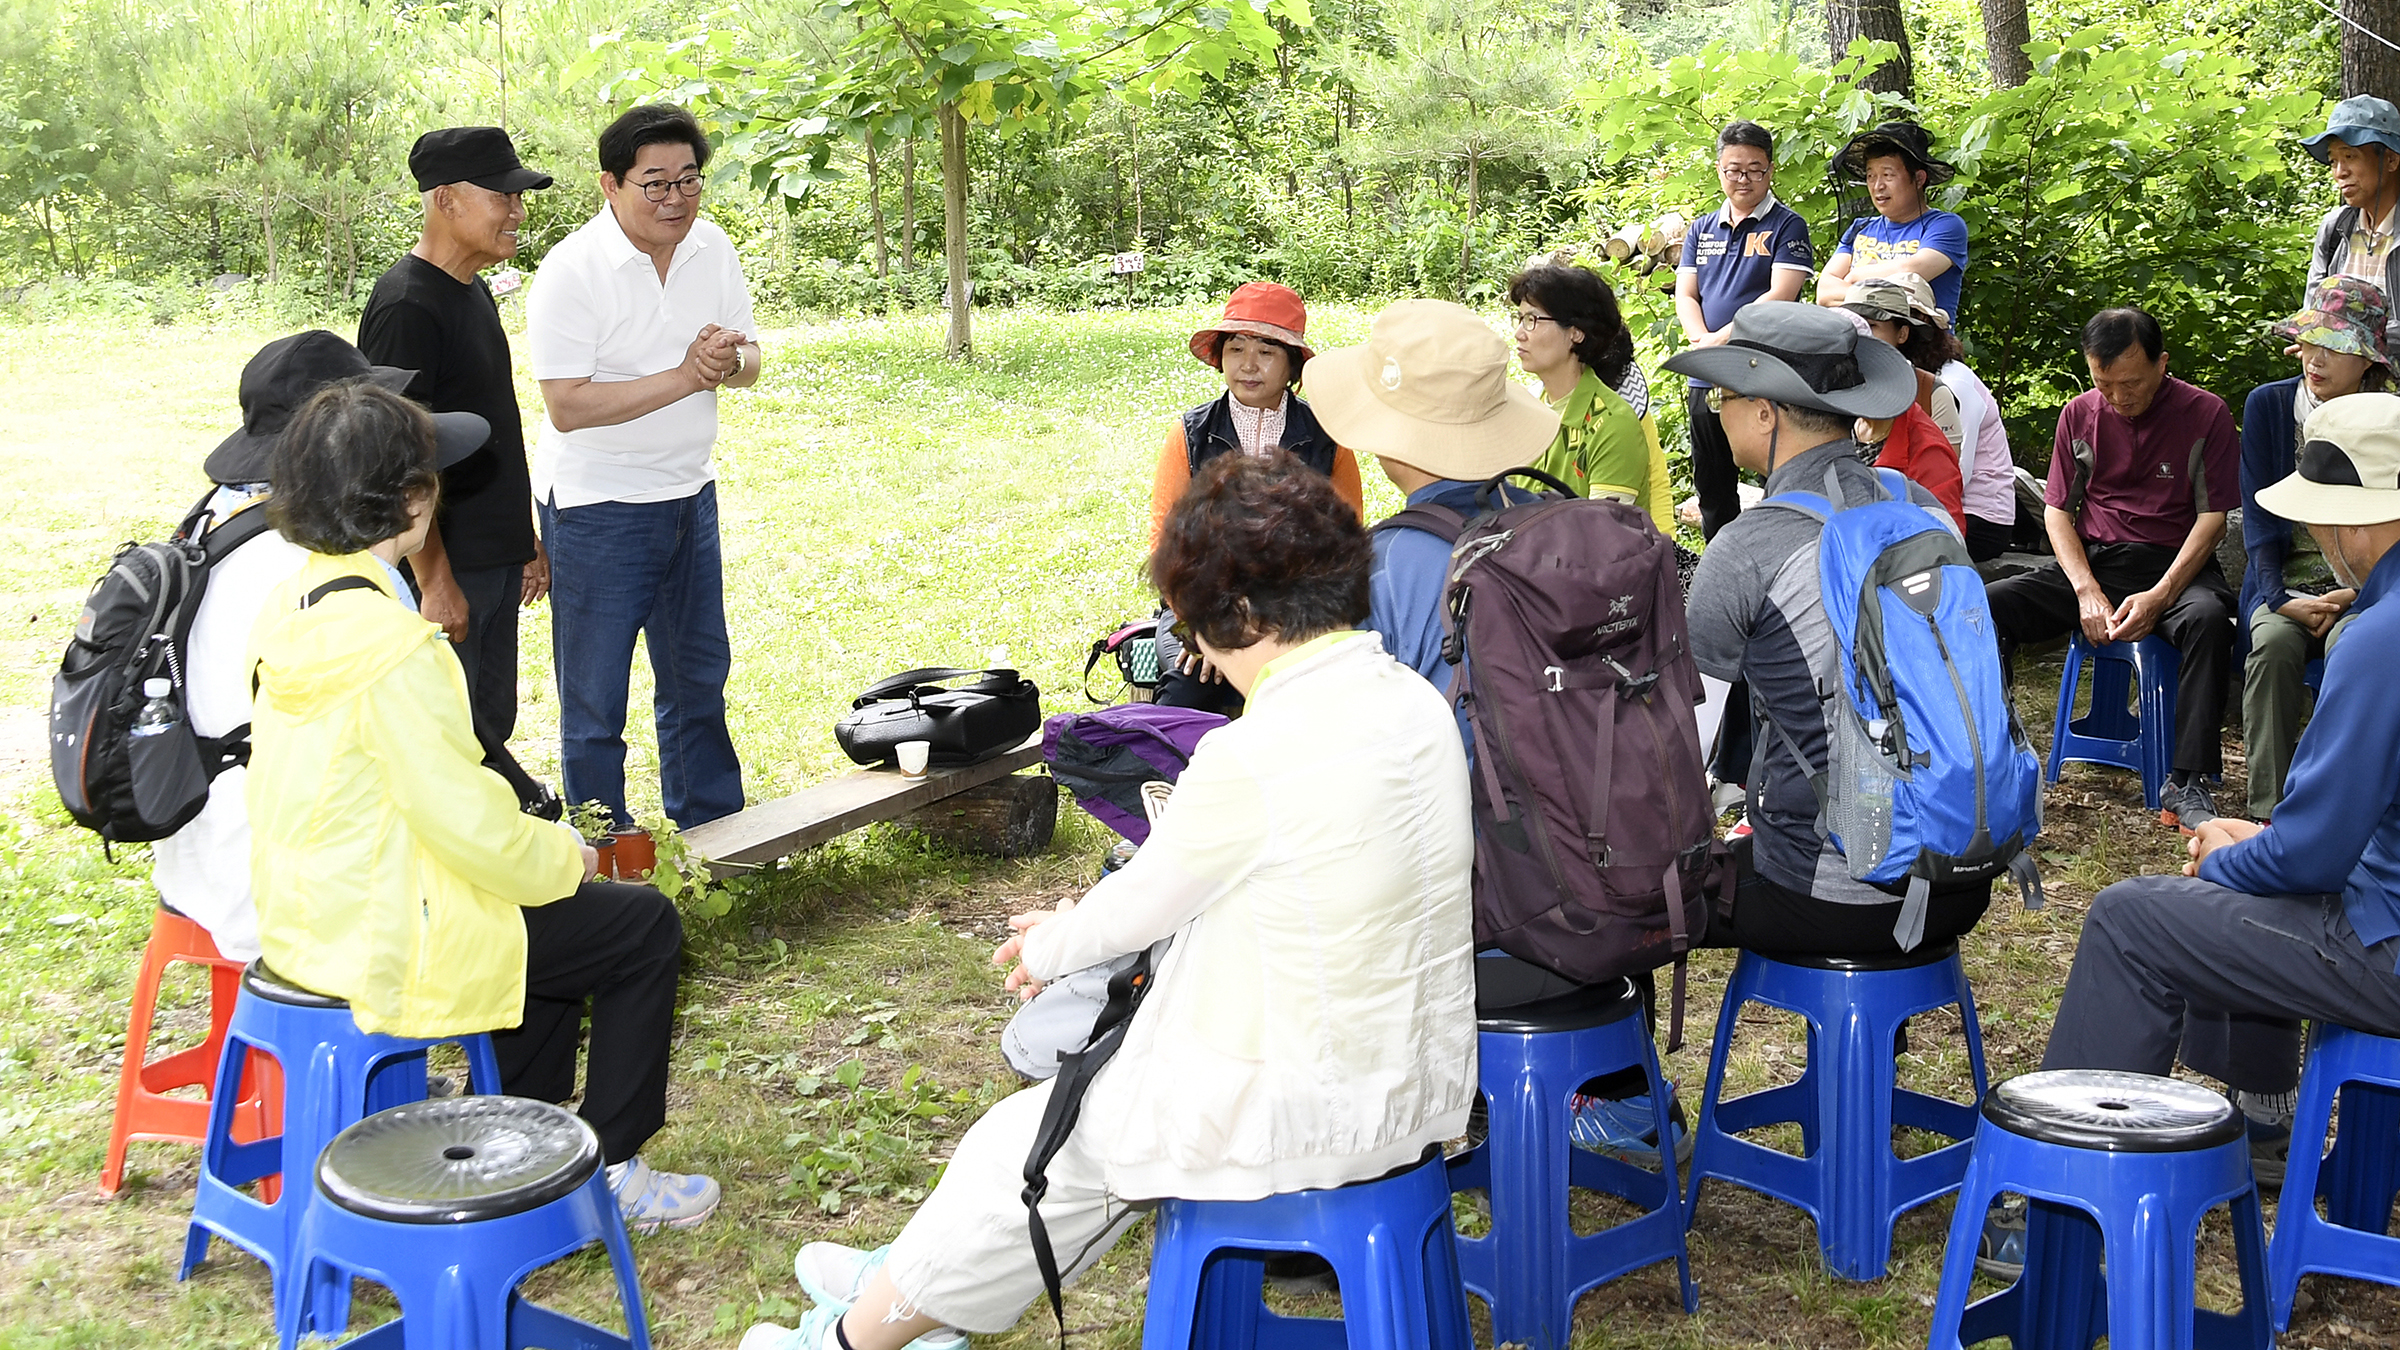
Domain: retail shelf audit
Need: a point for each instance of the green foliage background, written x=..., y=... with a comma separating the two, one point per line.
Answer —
x=146, y=148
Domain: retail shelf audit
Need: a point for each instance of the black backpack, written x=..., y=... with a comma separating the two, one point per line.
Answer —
x=134, y=627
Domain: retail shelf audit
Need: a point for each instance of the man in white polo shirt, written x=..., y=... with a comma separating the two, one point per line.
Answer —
x=634, y=322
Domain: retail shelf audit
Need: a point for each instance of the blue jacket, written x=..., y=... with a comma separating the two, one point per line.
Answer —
x=2269, y=442
x=2338, y=830
x=1404, y=592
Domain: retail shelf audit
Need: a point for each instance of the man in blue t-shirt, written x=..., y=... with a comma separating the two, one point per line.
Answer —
x=1896, y=165
x=1753, y=248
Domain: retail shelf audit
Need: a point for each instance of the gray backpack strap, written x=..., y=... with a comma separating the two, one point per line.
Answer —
x=1910, y=930
x=2337, y=228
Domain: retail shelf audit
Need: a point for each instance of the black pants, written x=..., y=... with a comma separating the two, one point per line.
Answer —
x=1178, y=690
x=621, y=947
x=1768, y=918
x=1987, y=539
x=2169, y=963
x=1714, y=476
x=2039, y=605
x=490, y=651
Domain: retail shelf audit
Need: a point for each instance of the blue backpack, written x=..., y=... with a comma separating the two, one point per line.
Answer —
x=1930, y=777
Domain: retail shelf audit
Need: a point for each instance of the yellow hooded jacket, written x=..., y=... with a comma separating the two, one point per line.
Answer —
x=388, y=862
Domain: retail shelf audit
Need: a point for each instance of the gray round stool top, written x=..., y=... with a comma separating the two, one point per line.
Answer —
x=2113, y=1111
x=458, y=1160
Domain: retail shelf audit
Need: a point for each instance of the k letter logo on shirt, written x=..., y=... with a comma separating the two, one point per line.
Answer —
x=1758, y=246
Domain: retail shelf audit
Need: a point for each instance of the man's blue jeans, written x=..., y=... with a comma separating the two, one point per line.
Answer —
x=618, y=568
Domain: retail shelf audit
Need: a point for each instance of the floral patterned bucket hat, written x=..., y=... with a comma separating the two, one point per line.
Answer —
x=2344, y=314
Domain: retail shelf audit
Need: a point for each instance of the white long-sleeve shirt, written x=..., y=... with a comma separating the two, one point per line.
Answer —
x=1314, y=1022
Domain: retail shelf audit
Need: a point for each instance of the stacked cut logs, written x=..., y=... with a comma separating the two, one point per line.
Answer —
x=1650, y=248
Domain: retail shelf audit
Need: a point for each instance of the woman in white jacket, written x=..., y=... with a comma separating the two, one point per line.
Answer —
x=1313, y=1023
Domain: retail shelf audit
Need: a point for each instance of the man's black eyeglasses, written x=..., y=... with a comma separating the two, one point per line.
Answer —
x=689, y=185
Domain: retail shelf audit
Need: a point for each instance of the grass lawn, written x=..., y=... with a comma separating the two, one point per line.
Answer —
x=882, y=509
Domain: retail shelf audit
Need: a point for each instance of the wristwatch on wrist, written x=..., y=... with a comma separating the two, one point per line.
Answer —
x=739, y=361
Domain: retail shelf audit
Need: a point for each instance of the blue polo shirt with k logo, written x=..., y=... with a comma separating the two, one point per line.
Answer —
x=1735, y=261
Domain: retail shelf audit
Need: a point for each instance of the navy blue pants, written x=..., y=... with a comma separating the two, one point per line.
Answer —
x=621, y=568
x=2175, y=967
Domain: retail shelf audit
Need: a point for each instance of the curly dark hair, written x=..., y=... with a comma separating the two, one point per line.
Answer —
x=1931, y=347
x=1216, y=353
x=1578, y=298
x=348, y=466
x=1261, y=546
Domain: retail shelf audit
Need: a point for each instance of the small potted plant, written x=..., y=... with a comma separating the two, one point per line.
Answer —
x=596, y=823
x=636, y=853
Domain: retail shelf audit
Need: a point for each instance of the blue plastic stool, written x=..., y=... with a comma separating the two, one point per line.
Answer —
x=1389, y=1242
x=2118, y=1167
x=1846, y=1101
x=2357, y=1180
x=2117, y=730
x=1532, y=1267
x=450, y=1204
x=334, y=1074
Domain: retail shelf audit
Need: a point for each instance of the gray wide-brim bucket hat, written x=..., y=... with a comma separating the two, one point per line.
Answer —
x=1804, y=356
x=2358, y=122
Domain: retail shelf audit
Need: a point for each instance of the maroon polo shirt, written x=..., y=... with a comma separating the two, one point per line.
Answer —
x=2145, y=480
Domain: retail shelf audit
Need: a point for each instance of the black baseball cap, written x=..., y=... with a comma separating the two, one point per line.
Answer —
x=483, y=156
x=288, y=372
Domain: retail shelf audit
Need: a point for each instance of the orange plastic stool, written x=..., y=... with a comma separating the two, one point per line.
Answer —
x=144, y=1111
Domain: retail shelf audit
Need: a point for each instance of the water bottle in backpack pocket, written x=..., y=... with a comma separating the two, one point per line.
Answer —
x=1930, y=777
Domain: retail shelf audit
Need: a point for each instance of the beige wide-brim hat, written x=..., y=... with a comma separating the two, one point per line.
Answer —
x=2348, y=469
x=1430, y=388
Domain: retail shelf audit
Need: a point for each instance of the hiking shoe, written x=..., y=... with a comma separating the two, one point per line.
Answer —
x=650, y=1199
x=2000, y=1252
x=2269, y=1119
x=2187, y=808
x=832, y=1274
x=1623, y=1128
x=815, y=1332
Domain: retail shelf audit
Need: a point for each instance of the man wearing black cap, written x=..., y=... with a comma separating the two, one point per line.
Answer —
x=432, y=313
x=1895, y=163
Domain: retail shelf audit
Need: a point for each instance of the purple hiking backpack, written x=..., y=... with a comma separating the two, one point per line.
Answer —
x=1104, y=757
x=1595, y=847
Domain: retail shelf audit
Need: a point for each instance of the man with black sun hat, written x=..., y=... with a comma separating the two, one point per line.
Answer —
x=433, y=313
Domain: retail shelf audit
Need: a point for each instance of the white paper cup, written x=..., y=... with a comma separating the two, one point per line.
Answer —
x=912, y=757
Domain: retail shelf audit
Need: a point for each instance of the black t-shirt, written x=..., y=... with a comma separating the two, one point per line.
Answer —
x=420, y=318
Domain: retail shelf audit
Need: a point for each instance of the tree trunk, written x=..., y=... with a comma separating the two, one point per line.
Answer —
x=961, y=341
x=1007, y=818
x=1466, y=239
x=2005, y=33
x=908, y=205
x=1848, y=20
x=2369, y=66
x=883, y=252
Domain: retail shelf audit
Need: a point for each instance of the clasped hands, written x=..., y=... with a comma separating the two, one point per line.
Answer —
x=714, y=355
x=1021, y=981
x=2130, y=621
x=2215, y=835
x=2317, y=613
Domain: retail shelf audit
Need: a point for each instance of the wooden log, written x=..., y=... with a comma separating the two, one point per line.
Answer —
x=1005, y=819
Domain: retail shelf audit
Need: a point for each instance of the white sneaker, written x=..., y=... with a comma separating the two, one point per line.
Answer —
x=650, y=1199
x=832, y=1274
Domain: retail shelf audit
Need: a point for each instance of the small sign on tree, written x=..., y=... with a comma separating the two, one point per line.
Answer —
x=1125, y=264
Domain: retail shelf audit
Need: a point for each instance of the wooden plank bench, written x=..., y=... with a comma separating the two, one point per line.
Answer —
x=985, y=807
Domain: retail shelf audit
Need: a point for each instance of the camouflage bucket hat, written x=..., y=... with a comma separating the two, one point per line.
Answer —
x=2344, y=314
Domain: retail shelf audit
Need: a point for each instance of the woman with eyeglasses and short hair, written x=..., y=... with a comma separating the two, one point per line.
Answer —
x=1572, y=338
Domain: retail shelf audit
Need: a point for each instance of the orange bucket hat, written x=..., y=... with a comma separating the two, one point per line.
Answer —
x=1262, y=309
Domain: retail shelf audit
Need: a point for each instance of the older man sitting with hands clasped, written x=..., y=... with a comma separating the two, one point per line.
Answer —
x=2272, y=924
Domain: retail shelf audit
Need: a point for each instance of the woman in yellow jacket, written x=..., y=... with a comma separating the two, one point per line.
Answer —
x=391, y=868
